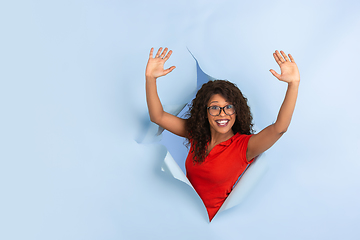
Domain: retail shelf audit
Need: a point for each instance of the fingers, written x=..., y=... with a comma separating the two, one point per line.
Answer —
x=281, y=58
x=161, y=54
x=284, y=55
x=158, y=52
x=169, y=69
x=277, y=57
x=275, y=74
x=291, y=58
x=168, y=55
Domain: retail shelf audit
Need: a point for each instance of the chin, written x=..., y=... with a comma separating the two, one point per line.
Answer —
x=223, y=129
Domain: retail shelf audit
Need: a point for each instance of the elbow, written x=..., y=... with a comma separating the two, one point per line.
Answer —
x=280, y=130
x=283, y=131
x=154, y=119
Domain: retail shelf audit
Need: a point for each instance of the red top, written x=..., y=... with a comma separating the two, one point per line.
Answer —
x=214, y=178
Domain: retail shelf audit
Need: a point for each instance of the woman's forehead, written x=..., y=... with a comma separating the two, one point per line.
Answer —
x=217, y=98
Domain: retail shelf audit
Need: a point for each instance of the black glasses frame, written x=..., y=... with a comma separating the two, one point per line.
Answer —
x=221, y=108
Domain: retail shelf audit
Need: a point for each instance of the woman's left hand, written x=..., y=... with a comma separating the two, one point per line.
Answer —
x=289, y=70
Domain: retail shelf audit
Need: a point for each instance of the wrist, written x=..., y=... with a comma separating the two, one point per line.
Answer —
x=294, y=83
x=150, y=78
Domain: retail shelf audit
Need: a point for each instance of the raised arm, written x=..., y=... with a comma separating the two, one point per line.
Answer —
x=262, y=141
x=155, y=69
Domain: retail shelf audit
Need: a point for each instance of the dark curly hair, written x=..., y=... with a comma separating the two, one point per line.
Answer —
x=197, y=124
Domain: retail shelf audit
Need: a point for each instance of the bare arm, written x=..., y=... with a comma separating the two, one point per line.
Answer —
x=262, y=141
x=155, y=69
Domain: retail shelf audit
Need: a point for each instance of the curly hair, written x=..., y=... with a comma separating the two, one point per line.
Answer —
x=197, y=124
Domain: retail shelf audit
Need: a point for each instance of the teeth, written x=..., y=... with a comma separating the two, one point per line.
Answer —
x=222, y=122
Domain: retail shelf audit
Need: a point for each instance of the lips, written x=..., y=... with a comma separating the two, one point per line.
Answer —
x=222, y=122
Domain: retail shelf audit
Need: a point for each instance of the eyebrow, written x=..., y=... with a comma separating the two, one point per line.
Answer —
x=228, y=103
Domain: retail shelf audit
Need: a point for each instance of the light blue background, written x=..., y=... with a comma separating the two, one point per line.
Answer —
x=72, y=101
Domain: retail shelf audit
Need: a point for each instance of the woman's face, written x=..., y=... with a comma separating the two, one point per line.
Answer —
x=221, y=123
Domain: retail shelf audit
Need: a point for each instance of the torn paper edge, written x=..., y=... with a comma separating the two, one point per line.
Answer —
x=247, y=182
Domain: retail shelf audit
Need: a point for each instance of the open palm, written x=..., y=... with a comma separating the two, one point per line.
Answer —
x=155, y=65
x=289, y=70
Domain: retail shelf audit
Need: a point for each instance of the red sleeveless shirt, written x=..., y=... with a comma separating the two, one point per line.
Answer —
x=214, y=178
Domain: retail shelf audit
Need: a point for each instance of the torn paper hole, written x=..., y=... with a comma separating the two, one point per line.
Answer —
x=249, y=178
x=247, y=182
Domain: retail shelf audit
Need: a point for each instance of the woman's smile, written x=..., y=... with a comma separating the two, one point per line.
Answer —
x=220, y=120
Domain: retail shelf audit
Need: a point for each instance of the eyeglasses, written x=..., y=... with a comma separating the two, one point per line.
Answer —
x=216, y=110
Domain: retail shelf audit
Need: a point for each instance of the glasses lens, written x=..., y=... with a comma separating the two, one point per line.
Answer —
x=229, y=109
x=214, y=110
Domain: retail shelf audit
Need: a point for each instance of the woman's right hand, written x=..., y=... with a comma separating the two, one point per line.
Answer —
x=155, y=69
x=155, y=65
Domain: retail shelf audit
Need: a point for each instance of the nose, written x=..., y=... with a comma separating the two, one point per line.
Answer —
x=222, y=111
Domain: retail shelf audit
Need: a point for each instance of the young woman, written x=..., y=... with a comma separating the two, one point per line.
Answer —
x=219, y=127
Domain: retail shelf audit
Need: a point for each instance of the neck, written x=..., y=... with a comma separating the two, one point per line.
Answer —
x=217, y=138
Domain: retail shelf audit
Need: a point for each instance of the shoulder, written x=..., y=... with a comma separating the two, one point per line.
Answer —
x=238, y=137
x=241, y=141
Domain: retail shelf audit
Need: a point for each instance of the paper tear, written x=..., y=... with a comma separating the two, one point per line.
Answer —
x=170, y=166
x=151, y=131
x=248, y=180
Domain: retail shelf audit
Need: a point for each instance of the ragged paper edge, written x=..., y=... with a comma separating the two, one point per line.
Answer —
x=242, y=189
x=171, y=167
x=152, y=132
x=247, y=183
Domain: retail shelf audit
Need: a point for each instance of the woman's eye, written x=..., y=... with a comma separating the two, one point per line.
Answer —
x=229, y=106
x=214, y=107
